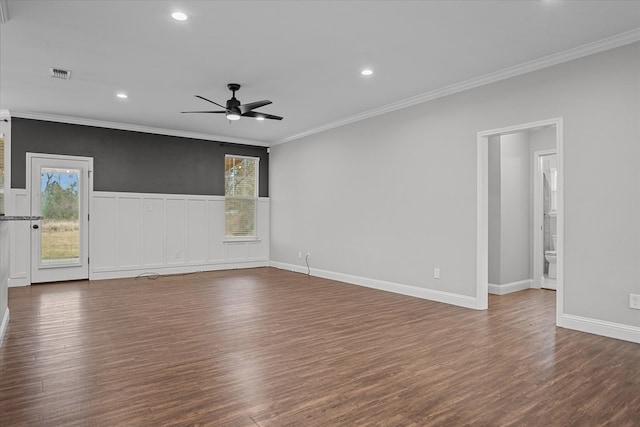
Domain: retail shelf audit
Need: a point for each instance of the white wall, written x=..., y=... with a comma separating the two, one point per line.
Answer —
x=509, y=219
x=394, y=196
x=515, y=218
x=494, y=209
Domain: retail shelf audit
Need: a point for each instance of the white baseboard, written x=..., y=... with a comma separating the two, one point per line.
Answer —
x=15, y=282
x=4, y=324
x=600, y=327
x=103, y=274
x=414, y=291
x=508, y=288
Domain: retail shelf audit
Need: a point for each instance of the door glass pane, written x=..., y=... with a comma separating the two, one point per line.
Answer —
x=60, y=210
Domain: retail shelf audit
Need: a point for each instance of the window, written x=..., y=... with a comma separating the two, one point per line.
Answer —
x=241, y=196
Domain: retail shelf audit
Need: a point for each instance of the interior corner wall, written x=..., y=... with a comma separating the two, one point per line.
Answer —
x=515, y=246
x=392, y=197
x=494, y=210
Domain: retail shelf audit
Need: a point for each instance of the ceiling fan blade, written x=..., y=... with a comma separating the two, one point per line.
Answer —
x=245, y=108
x=265, y=115
x=208, y=100
x=218, y=111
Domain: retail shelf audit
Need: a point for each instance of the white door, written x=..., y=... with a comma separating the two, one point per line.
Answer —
x=59, y=192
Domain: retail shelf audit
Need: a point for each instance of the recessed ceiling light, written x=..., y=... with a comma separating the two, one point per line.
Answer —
x=122, y=95
x=260, y=118
x=366, y=72
x=179, y=16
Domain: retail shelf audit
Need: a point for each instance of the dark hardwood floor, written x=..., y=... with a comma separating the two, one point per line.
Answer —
x=265, y=347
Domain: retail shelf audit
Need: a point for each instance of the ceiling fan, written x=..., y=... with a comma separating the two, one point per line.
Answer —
x=234, y=110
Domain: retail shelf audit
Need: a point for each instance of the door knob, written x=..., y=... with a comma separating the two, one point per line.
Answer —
x=36, y=226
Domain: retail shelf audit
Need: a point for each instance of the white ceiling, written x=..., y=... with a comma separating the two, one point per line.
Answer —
x=305, y=56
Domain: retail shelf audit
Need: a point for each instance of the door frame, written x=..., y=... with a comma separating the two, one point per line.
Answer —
x=482, y=214
x=538, y=211
x=29, y=157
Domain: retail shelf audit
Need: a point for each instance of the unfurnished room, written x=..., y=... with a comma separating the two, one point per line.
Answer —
x=320, y=213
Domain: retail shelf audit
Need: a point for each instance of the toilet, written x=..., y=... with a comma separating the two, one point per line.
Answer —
x=552, y=256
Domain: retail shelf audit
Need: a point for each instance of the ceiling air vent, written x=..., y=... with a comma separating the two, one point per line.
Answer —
x=59, y=73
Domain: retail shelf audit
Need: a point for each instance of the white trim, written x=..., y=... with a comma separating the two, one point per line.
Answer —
x=482, y=278
x=119, y=273
x=4, y=325
x=508, y=288
x=18, y=282
x=6, y=135
x=601, y=327
x=506, y=73
x=136, y=128
x=397, y=288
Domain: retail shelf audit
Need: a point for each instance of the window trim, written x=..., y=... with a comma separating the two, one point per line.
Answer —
x=256, y=236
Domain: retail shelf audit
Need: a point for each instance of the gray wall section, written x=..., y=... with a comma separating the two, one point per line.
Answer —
x=400, y=197
x=515, y=224
x=126, y=161
x=494, y=209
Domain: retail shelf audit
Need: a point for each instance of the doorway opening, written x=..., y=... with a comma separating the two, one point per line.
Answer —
x=545, y=213
x=484, y=218
x=59, y=189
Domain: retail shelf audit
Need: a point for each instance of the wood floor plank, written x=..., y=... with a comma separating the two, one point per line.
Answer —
x=265, y=347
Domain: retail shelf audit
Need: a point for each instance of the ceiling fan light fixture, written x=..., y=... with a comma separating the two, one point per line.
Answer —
x=179, y=16
x=233, y=116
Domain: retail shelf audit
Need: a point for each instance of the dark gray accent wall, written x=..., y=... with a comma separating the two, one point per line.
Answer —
x=137, y=162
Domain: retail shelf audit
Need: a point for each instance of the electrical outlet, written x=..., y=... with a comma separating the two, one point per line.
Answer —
x=634, y=301
x=436, y=273
x=299, y=254
x=308, y=254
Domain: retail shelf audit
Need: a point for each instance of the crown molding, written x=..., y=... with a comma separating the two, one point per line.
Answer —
x=526, y=67
x=4, y=11
x=133, y=128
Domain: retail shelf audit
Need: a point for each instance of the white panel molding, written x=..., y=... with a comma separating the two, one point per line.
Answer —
x=135, y=128
x=168, y=234
x=508, y=288
x=527, y=67
x=19, y=239
x=600, y=327
x=397, y=288
x=4, y=324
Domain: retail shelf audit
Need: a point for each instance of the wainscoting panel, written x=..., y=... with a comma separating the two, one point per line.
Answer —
x=19, y=239
x=152, y=221
x=102, y=241
x=129, y=232
x=134, y=233
x=196, y=231
x=174, y=228
x=217, y=248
